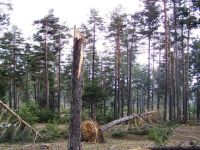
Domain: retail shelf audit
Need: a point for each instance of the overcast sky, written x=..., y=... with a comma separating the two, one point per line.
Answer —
x=70, y=11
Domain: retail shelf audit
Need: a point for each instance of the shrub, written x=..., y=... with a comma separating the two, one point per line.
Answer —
x=108, y=117
x=138, y=131
x=28, y=112
x=45, y=115
x=63, y=119
x=119, y=134
x=159, y=135
x=53, y=132
x=12, y=134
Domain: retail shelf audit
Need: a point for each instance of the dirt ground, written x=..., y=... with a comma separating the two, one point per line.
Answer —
x=185, y=135
x=182, y=135
x=111, y=144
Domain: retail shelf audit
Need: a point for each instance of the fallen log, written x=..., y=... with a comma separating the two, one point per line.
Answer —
x=189, y=147
x=91, y=131
x=115, y=122
x=143, y=118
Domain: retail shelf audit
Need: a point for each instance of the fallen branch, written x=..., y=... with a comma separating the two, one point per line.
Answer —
x=20, y=120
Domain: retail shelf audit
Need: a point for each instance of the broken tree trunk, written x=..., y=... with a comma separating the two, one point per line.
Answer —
x=77, y=85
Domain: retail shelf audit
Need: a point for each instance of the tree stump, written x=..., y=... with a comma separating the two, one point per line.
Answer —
x=91, y=132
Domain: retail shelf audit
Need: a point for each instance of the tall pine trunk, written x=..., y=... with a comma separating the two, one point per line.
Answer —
x=14, y=80
x=59, y=80
x=94, y=104
x=166, y=59
x=176, y=89
x=148, y=79
x=129, y=79
x=46, y=73
x=117, y=103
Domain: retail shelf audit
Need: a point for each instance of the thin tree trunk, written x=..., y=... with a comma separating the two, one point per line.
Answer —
x=76, y=102
x=130, y=59
x=122, y=97
x=137, y=102
x=115, y=99
x=166, y=60
x=14, y=81
x=183, y=74
x=59, y=81
x=186, y=79
x=176, y=98
x=35, y=91
x=152, y=95
x=148, y=80
x=117, y=74
x=94, y=108
x=172, y=87
x=10, y=95
x=198, y=104
x=46, y=70
x=27, y=93
x=159, y=73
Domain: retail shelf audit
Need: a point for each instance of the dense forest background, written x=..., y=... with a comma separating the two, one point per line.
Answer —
x=38, y=70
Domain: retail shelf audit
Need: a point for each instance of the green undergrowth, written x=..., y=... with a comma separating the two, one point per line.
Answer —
x=52, y=132
x=159, y=133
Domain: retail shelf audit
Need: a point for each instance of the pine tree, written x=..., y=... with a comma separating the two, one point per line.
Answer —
x=150, y=20
x=11, y=55
x=51, y=37
x=95, y=25
x=116, y=30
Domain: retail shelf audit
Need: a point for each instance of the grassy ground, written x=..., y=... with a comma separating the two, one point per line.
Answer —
x=128, y=142
x=183, y=134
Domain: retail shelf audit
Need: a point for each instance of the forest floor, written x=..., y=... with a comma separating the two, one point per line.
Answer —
x=185, y=135
x=182, y=135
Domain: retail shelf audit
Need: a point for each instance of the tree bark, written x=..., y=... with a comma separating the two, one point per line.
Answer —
x=76, y=102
